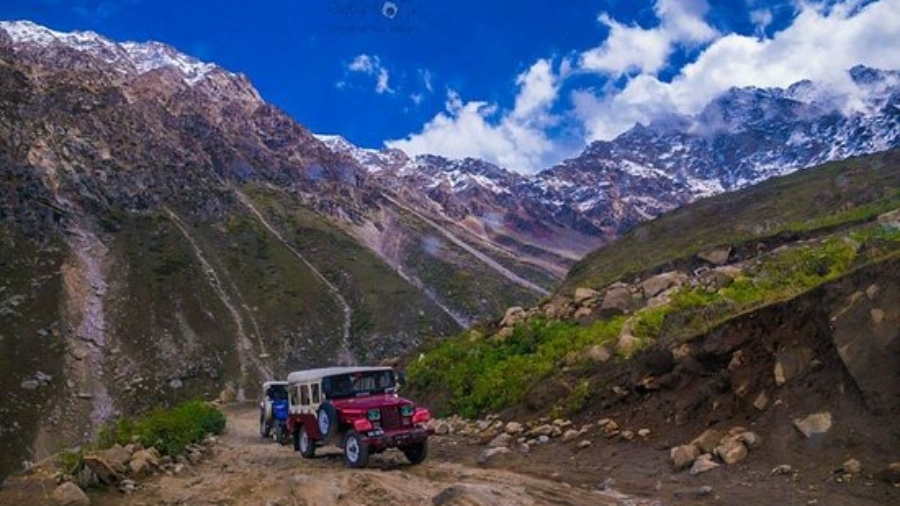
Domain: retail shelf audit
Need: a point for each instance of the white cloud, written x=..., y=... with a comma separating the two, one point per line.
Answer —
x=635, y=49
x=821, y=44
x=371, y=65
x=515, y=139
x=761, y=18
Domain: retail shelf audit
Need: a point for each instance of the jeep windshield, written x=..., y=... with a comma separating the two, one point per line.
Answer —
x=357, y=384
x=277, y=392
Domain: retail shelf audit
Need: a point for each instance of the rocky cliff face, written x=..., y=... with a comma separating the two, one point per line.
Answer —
x=165, y=233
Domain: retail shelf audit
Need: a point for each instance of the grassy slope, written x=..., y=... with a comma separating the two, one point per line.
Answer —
x=831, y=195
x=822, y=218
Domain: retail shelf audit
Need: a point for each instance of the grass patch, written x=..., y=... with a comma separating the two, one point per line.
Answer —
x=490, y=374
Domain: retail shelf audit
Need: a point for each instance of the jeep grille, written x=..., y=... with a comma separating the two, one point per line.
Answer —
x=390, y=418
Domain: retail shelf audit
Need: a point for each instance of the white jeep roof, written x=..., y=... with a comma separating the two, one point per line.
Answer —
x=316, y=374
x=267, y=384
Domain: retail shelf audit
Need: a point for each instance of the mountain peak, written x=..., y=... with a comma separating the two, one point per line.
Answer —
x=131, y=57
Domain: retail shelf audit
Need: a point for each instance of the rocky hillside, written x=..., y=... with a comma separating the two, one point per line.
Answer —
x=772, y=308
x=165, y=234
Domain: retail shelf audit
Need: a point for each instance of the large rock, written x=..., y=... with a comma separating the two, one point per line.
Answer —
x=585, y=295
x=683, y=456
x=867, y=338
x=118, y=457
x=490, y=453
x=660, y=283
x=105, y=472
x=703, y=464
x=69, y=494
x=731, y=451
x=708, y=440
x=816, y=424
x=617, y=300
x=717, y=256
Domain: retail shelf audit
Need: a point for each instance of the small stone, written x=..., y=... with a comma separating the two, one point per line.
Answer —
x=703, y=464
x=570, y=435
x=543, y=439
x=780, y=378
x=644, y=433
x=750, y=439
x=761, y=401
x=502, y=439
x=852, y=466
x=627, y=435
x=585, y=443
x=814, y=425
x=781, y=470
x=514, y=428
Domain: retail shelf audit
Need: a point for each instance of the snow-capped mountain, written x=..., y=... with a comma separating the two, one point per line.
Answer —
x=129, y=57
x=743, y=137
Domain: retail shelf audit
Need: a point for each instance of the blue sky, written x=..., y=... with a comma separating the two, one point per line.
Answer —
x=522, y=84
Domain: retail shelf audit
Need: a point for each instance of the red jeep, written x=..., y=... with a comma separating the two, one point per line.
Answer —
x=358, y=409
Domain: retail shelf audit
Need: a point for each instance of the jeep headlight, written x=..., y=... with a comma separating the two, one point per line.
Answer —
x=406, y=410
x=374, y=414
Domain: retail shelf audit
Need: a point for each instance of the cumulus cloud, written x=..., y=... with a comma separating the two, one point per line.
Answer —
x=821, y=44
x=514, y=139
x=630, y=49
x=371, y=65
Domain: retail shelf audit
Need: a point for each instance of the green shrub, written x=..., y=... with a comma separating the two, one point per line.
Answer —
x=490, y=374
x=168, y=430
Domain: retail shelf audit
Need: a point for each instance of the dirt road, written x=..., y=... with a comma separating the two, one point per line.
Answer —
x=246, y=469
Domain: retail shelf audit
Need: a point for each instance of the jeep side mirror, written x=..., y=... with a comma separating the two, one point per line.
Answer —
x=401, y=378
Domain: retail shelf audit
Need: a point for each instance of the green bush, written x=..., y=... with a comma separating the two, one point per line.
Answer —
x=489, y=374
x=168, y=430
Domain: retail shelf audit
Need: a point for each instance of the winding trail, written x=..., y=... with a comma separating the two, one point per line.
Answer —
x=345, y=355
x=490, y=262
x=245, y=346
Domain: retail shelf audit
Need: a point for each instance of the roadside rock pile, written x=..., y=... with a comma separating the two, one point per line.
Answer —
x=121, y=467
x=714, y=447
x=501, y=437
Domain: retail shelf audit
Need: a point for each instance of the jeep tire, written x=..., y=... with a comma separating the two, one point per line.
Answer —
x=416, y=453
x=356, y=452
x=305, y=444
x=327, y=420
x=265, y=429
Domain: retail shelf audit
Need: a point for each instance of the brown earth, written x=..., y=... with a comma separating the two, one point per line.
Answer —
x=245, y=469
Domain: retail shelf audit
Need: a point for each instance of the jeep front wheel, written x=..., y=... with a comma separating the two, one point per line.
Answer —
x=306, y=445
x=416, y=453
x=356, y=453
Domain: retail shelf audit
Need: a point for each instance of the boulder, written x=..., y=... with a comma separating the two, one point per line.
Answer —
x=69, y=494
x=102, y=469
x=118, y=457
x=731, y=451
x=868, y=342
x=583, y=295
x=816, y=424
x=718, y=256
x=708, y=440
x=750, y=439
x=683, y=456
x=617, y=300
x=597, y=354
x=654, y=286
